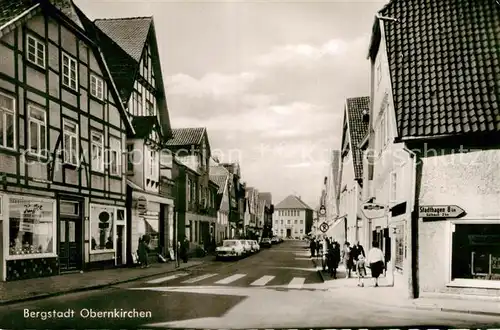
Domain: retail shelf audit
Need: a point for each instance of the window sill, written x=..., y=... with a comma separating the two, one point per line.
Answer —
x=31, y=256
x=95, y=98
x=115, y=176
x=36, y=66
x=70, y=90
x=39, y=158
x=9, y=151
x=102, y=251
x=100, y=173
x=478, y=284
x=70, y=166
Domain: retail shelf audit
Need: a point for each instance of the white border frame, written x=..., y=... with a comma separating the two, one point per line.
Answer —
x=466, y=283
x=6, y=230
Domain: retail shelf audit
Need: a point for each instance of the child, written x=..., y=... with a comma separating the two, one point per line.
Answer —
x=361, y=270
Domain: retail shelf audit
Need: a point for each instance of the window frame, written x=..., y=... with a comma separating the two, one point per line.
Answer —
x=39, y=125
x=71, y=60
x=101, y=147
x=38, y=43
x=98, y=81
x=4, y=112
x=71, y=135
x=115, y=145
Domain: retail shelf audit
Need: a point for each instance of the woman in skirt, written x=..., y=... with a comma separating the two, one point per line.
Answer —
x=376, y=260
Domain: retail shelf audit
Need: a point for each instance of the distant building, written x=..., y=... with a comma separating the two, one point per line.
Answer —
x=292, y=218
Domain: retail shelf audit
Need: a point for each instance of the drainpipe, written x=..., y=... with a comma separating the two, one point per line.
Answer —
x=412, y=257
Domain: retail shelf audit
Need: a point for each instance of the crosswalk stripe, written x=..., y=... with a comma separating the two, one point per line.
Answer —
x=296, y=282
x=263, y=280
x=230, y=279
x=199, y=278
x=167, y=278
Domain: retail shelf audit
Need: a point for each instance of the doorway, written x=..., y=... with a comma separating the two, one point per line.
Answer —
x=70, y=253
x=119, y=245
x=288, y=233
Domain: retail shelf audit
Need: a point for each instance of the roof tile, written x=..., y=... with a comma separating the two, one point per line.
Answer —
x=9, y=10
x=186, y=136
x=358, y=128
x=292, y=202
x=444, y=58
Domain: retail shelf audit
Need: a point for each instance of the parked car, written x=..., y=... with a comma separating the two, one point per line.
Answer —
x=255, y=246
x=266, y=242
x=247, y=246
x=231, y=248
x=275, y=240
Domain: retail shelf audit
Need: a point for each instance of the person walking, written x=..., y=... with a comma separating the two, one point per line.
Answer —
x=318, y=247
x=142, y=252
x=360, y=249
x=347, y=256
x=312, y=246
x=361, y=269
x=184, y=249
x=376, y=261
x=333, y=259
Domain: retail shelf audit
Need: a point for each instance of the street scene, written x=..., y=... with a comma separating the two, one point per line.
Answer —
x=249, y=164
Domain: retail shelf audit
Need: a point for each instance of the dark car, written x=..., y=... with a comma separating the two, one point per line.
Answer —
x=266, y=242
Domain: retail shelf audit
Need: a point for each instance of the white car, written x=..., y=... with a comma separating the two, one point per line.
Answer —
x=247, y=246
x=255, y=246
x=231, y=248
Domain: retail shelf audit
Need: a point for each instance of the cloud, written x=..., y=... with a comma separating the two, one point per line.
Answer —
x=214, y=85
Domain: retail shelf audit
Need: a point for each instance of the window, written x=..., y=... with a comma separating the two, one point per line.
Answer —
x=37, y=134
x=115, y=156
x=97, y=151
x=150, y=108
x=70, y=143
x=130, y=157
x=152, y=226
x=7, y=127
x=301, y=222
x=70, y=75
x=136, y=103
x=35, y=51
x=188, y=186
x=153, y=165
x=288, y=221
x=31, y=226
x=295, y=222
x=101, y=227
x=476, y=252
x=276, y=222
x=96, y=87
x=302, y=231
x=394, y=179
x=281, y=221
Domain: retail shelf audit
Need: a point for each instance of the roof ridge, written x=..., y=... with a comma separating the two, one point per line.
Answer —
x=123, y=18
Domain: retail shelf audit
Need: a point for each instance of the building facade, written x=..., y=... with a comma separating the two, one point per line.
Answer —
x=251, y=216
x=434, y=152
x=221, y=176
x=134, y=62
x=292, y=218
x=63, y=128
x=237, y=194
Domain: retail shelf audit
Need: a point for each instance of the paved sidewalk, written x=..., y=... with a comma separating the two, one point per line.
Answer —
x=38, y=288
x=387, y=295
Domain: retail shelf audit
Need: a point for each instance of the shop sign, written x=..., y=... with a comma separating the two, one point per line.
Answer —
x=440, y=211
x=142, y=205
x=373, y=211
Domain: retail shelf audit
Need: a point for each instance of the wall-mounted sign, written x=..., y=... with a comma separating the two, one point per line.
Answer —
x=440, y=211
x=322, y=210
x=373, y=211
x=142, y=205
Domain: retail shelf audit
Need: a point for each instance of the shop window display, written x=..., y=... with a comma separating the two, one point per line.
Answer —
x=476, y=252
x=152, y=230
x=101, y=228
x=31, y=226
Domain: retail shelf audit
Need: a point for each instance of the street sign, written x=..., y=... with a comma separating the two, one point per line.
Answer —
x=322, y=210
x=440, y=211
x=324, y=227
x=373, y=211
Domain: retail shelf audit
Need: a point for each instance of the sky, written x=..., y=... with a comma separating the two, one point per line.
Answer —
x=267, y=79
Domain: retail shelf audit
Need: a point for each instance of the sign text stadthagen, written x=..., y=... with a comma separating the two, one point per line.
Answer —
x=440, y=211
x=87, y=313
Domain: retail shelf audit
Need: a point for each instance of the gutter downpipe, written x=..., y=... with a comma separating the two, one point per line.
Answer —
x=409, y=231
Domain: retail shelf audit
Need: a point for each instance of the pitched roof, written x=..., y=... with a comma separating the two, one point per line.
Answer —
x=218, y=170
x=357, y=128
x=11, y=10
x=143, y=125
x=129, y=33
x=444, y=59
x=220, y=181
x=292, y=202
x=186, y=136
x=267, y=197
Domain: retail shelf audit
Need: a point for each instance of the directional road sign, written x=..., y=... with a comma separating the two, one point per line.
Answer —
x=440, y=211
x=324, y=227
x=373, y=211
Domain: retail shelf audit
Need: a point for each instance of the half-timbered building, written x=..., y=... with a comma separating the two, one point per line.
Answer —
x=62, y=131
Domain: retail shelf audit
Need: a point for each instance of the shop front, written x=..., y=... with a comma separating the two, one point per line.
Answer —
x=29, y=236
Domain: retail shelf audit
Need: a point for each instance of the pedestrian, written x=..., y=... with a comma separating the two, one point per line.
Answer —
x=347, y=256
x=361, y=269
x=332, y=260
x=142, y=252
x=184, y=249
x=312, y=246
x=376, y=261
x=360, y=249
x=318, y=247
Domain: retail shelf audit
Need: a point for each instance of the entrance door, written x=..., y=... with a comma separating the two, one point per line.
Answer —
x=119, y=245
x=288, y=233
x=70, y=254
